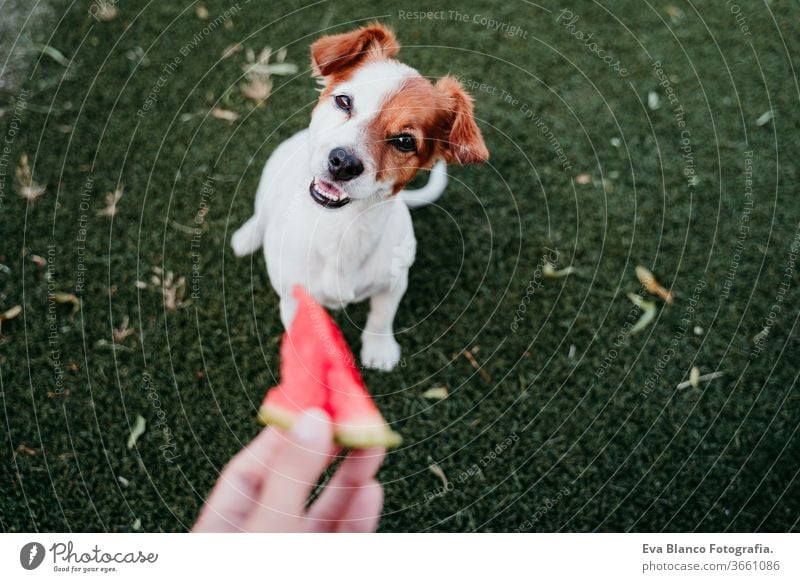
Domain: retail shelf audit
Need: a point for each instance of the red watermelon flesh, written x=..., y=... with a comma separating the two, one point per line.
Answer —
x=318, y=370
x=303, y=380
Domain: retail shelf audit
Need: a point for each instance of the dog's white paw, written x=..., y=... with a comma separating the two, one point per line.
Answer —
x=379, y=351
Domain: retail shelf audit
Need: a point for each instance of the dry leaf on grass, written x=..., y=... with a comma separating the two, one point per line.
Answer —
x=123, y=331
x=62, y=297
x=112, y=198
x=26, y=450
x=259, y=72
x=694, y=377
x=172, y=288
x=761, y=336
x=138, y=430
x=257, y=89
x=703, y=378
x=483, y=373
x=173, y=291
x=231, y=50
x=650, y=283
x=55, y=54
x=439, y=472
x=648, y=312
x=104, y=10
x=549, y=271
x=675, y=13
x=27, y=187
x=764, y=119
x=583, y=179
x=9, y=314
x=224, y=114
x=438, y=393
x=653, y=100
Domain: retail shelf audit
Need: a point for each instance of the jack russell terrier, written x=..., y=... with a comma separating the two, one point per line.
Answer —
x=330, y=210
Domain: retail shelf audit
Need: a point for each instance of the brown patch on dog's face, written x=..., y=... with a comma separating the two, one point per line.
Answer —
x=414, y=113
x=335, y=57
x=439, y=120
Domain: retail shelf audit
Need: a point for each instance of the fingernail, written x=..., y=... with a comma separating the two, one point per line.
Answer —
x=311, y=425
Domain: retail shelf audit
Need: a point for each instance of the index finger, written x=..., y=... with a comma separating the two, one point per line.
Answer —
x=295, y=470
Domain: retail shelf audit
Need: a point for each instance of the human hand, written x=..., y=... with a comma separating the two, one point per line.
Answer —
x=264, y=488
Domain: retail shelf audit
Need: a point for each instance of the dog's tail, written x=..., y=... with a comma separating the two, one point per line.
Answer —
x=431, y=191
x=250, y=236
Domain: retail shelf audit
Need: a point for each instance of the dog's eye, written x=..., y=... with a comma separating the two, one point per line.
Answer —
x=404, y=143
x=344, y=103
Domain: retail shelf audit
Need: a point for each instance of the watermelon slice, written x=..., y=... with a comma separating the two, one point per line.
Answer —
x=318, y=370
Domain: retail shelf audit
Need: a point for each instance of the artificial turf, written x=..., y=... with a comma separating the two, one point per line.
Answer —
x=571, y=423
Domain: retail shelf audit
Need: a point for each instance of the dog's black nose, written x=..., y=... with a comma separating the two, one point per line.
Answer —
x=343, y=165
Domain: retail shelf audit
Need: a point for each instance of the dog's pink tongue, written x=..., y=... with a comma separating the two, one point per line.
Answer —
x=329, y=188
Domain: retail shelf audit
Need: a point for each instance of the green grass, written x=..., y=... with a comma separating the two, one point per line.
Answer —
x=601, y=440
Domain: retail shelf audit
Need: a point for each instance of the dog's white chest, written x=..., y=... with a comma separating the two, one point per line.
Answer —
x=347, y=267
x=340, y=258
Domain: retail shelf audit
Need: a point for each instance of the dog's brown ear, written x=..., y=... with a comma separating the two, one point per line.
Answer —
x=464, y=144
x=337, y=53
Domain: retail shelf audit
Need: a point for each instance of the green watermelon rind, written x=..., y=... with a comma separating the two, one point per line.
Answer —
x=361, y=438
x=274, y=416
x=350, y=437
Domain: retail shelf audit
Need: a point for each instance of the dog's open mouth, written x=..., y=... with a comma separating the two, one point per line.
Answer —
x=328, y=195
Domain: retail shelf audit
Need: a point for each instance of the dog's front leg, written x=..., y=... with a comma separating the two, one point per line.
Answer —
x=288, y=309
x=379, y=349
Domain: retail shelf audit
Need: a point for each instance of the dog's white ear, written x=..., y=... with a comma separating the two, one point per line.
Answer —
x=336, y=54
x=464, y=144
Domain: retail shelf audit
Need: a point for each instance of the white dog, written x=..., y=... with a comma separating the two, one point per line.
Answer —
x=330, y=210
